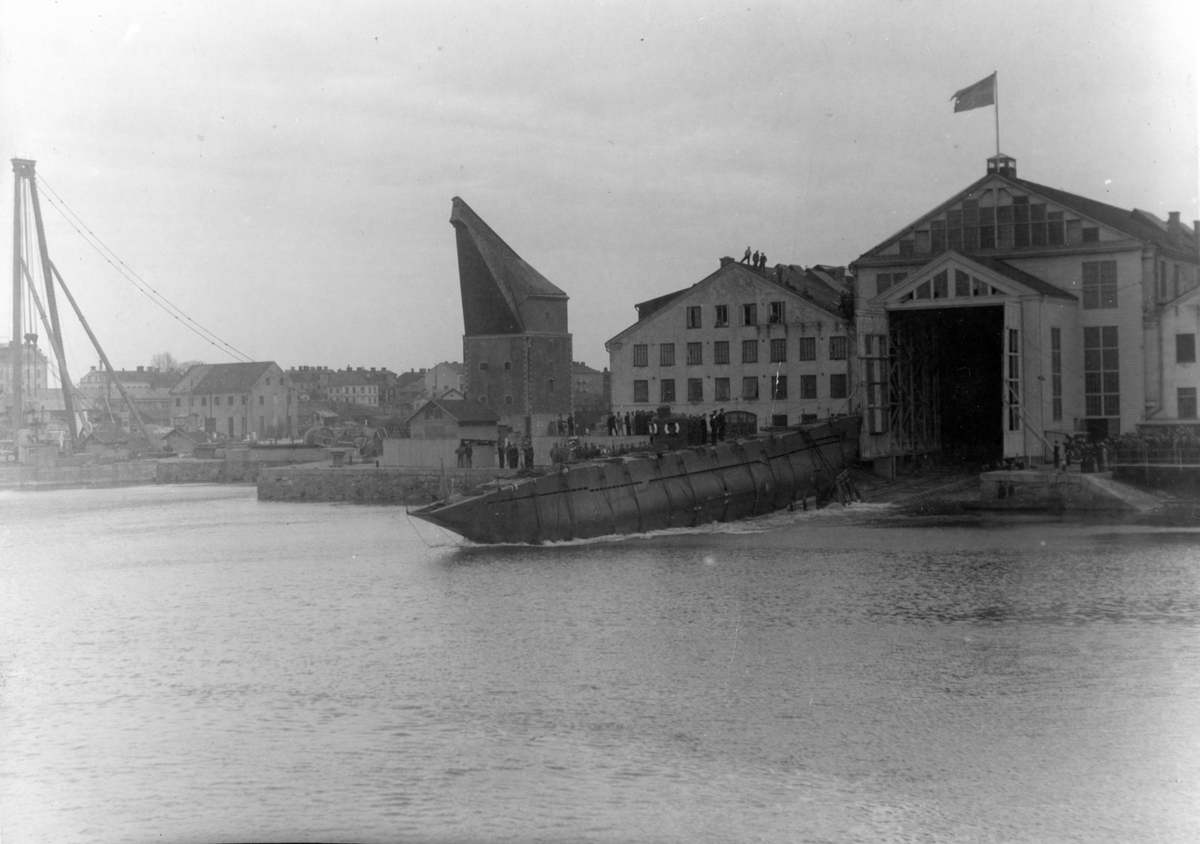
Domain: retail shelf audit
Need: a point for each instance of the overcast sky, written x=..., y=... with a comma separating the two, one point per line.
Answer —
x=283, y=172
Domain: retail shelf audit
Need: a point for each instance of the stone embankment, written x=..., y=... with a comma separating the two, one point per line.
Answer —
x=89, y=474
x=367, y=483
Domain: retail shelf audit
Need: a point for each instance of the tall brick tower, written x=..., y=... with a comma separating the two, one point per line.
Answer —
x=516, y=346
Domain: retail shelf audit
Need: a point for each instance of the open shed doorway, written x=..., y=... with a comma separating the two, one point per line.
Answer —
x=947, y=381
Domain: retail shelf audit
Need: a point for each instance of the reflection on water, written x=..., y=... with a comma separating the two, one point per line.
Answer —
x=189, y=663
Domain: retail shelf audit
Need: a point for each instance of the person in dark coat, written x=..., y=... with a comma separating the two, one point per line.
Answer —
x=570, y=424
x=528, y=454
x=755, y=264
x=628, y=425
x=468, y=452
x=612, y=424
x=512, y=455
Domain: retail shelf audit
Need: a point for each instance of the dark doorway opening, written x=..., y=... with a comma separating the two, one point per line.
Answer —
x=964, y=349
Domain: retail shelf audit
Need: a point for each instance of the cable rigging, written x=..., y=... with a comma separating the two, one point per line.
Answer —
x=144, y=287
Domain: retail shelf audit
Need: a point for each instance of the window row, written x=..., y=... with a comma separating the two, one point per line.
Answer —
x=483, y=365
x=1019, y=225
x=806, y=350
x=216, y=401
x=776, y=314
x=722, y=389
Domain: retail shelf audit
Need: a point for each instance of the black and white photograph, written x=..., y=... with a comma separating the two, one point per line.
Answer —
x=600, y=422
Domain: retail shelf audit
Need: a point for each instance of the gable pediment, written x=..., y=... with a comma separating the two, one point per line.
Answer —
x=995, y=214
x=955, y=280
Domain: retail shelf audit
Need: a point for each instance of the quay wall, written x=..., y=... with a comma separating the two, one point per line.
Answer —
x=82, y=474
x=1049, y=490
x=366, y=484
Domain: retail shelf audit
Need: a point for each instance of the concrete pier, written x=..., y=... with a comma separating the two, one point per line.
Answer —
x=1033, y=489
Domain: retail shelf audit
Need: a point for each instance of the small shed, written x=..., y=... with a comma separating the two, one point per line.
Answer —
x=454, y=419
x=184, y=442
x=113, y=444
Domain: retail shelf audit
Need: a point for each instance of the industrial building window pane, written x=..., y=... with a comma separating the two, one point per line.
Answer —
x=808, y=386
x=1185, y=348
x=779, y=386
x=641, y=392
x=641, y=355
x=837, y=348
x=721, y=351
x=941, y=285
x=749, y=351
x=1186, y=400
x=695, y=389
x=666, y=390
x=721, y=389
x=1013, y=381
x=1056, y=383
x=808, y=348
x=962, y=283
x=1101, y=365
x=722, y=316
x=779, y=420
x=750, y=314
x=750, y=388
x=1099, y=284
x=776, y=313
x=693, y=316
x=666, y=354
x=837, y=386
x=778, y=350
x=695, y=352
x=923, y=291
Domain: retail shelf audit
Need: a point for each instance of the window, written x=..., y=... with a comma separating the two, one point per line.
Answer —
x=695, y=352
x=962, y=284
x=776, y=313
x=808, y=386
x=550, y=384
x=750, y=388
x=483, y=366
x=229, y=401
x=721, y=351
x=204, y=401
x=837, y=348
x=875, y=371
x=191, y=401
x=507, y=365
x=807, y=417
x=721, y=389
x=666, y=390
x=808, y=348
x=1013, y=380
x=695, y=389
x=779, y=420
x=749, y=351
x=1185, y=348
x=693, y=316
x=666, y=354
x=268, y=382
x=1091, y=235
x=508, y=399
x=721, y=317
x=779, y=387
x=261, y=401
x=216, y=401
x=1101, y=371
x=941, y=285
x=837, y=386
x=779, y=350
x=1056, y=383
x=641, y=392
x=640, y=354
x=750, y=314
x=886, y=281
x=1099, y=284
x=178, y=402
x=1186, y=400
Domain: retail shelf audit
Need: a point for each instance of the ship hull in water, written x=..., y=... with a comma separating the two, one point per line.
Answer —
x=724, y=482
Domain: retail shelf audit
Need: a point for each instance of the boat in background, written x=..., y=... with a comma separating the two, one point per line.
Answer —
x=731, y=480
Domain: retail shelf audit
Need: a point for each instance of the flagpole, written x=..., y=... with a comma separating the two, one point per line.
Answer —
x=996, y=88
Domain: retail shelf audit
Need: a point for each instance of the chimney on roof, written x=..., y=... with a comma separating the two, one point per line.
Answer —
x=140, y=368
x=1174, y=229
x=726, y=261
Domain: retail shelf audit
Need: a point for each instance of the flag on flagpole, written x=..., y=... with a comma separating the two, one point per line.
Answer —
x=982, y=93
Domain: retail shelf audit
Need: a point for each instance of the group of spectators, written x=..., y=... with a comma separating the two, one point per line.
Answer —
x=758, y=260
x=1174, y=444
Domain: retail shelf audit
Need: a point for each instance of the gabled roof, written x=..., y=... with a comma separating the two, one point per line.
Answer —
x=795, y=282
x=1021, y=280
x=231, y=377
x=461, y=410
x=1137, y=223
x=494, y=279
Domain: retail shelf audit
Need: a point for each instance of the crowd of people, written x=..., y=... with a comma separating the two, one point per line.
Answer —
x=1180, y=443
x=702, y=428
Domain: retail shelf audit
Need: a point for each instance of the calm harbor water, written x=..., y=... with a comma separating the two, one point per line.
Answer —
x=188, y=664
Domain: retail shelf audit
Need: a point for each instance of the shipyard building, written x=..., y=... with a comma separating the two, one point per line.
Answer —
x=771, y=347
x=1015, y=315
